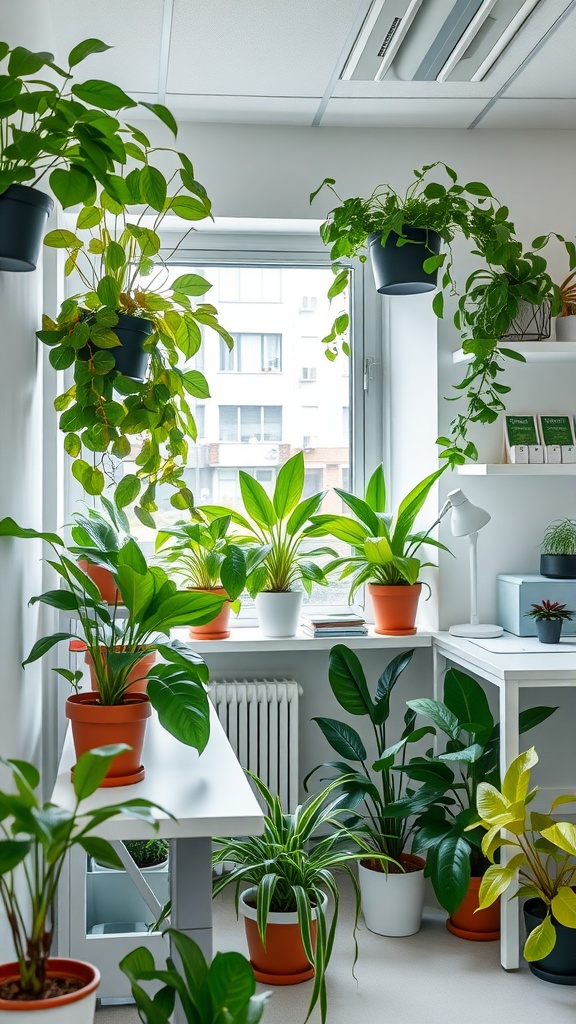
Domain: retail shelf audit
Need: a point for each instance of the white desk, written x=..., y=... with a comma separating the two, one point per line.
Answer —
x=208, y=795
x=509, y=672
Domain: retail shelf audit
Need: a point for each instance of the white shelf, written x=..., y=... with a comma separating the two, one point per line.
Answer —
x=513, y=469
x=247, y=641
x=533, y=352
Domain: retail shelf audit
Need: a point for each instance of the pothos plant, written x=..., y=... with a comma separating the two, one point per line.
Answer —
x=51, y=125
x=116, y=256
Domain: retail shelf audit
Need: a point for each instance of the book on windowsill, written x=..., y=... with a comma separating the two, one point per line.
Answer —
x=332, y=620
x=334, y=631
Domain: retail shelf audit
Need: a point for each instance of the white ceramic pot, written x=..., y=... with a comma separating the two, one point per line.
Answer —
x=76, y=1008
x=278, y=614
x=392, y=904
x=566, y=328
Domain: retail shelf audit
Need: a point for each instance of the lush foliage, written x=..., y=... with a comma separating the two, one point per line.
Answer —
x=116, y=643
x=451, y=780
x=275, y=535
x=291, y=865
x=560, y=538
x=549, y=610
x=35, y=839
x=539, y=847
x=147, y=853
x=365, y=777
x=52, y=125
x=222, y=993
x=204, y=555
x=384, y=545
x=116, y=255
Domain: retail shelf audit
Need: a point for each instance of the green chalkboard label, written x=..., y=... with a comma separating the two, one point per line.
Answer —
x=521, y=430
x=556, y=430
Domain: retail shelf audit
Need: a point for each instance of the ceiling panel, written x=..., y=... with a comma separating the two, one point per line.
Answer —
x=519, y=113
x=402, y=113
x=552, y=71
x=245, y=109
x=132, y=27
x=257, y=47
x=415, y=90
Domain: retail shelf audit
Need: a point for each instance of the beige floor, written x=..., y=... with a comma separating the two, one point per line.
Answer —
x=429, y=978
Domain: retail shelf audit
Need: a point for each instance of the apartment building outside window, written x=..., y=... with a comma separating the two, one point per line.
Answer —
x=249, y=423
x=252, y=353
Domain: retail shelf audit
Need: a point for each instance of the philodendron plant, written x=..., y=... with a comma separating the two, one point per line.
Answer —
x=115, y=254
x=204, y=556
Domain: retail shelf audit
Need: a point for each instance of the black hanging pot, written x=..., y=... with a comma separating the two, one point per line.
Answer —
x=559, y=966
x=558, y=567
x=398, y=269
x=131, y=358
x=23, y=215
x=549, y=630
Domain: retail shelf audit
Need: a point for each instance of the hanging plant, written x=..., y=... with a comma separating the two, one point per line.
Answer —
x=111, y=410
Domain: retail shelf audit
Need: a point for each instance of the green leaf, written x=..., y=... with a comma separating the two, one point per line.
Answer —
x=348, y=681
x=477, y=188
x=289, y=486
x=451, y=871
x=108, y=291
x=563, y=834
x=439, y=713
x=342, y=738
x=564, y=906
x=102, y=851
x=231, y=984
x=165, y=115
x=466, y=699
x=189, y=209
x=72, y=186
x=386, y=684
x=84, y=49
x=153, y=187
x=62, y=239
x=92, y=766
x=196, y=384
x=12, y=853
x=127, y=490
x=517, y=779
x=376, y=490
x=182, y=707
x=24, y=62
x=256, y=501
x=541, y=941
x=102, y=94
x=191, y=284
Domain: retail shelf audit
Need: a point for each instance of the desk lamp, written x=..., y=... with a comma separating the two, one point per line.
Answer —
x=466, y=520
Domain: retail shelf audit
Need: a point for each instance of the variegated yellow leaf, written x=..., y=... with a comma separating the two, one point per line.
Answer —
x=541, y=941
x=562, y=834
x=492, y=806
x=564, y=906
x=517, y=779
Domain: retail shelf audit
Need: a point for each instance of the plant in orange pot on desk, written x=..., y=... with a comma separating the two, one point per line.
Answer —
x=207, y=560
x=153, y=606
x=385, y=547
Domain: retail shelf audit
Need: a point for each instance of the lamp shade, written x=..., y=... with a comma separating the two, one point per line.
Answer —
x=466, y=518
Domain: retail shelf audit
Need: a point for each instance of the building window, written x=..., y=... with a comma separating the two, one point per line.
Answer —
x=252, y=353
x=249, y=423
x=248, y=284
x=309, y=304
x=313, y=480
x=200, y=417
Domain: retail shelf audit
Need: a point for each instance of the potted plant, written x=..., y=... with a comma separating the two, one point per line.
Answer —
x=384, y=552
x=97, y=538
x=392, y=890
x=50, y=124
x=205, y=558
x=223, y=991
x=126, y=335
x=112, y=897
x=289, y=871
x=543, y=852
x=549, y=617
x=36, y=838
x=117, y=644
x=558, y=557
x=278, y=556
x=455, y=861
x=566, y=318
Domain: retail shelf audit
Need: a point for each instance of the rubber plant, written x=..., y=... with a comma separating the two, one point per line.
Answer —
x=104, y=412
x=53, y=127
x=35, y=839
x=117, y=642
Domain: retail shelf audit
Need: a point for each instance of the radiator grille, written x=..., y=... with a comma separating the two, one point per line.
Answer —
x=260, y=718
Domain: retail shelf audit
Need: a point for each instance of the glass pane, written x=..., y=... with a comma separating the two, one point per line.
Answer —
x=272, y=423
x=228, y=423
x=250, y=423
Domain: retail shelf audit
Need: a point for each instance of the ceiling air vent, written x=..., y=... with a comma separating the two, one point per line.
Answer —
x=434, y=40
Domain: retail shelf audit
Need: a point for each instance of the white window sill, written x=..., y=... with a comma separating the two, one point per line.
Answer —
x=247, y=640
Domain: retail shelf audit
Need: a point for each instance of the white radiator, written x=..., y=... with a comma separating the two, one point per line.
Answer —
x=260, y=718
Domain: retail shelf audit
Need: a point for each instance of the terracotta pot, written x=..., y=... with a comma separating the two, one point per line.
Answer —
x=103, y=579
x=283, y=961
x=75, y=1008
x=96, y=725
x=395, y=608
x=216, y=629
x=470, y=923
x=139, y=672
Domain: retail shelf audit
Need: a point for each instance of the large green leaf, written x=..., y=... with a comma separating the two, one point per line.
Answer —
x=92, y=766
x=85, y=49
x=256, y=501
x=102, y=94
x=386, y=684
x=531, y=717
x=439, y=713
x=362, y=510
x=409, y=509
x=231, y=981
x=289, y=486
x=342, y=738
x=12, y=853
x=466, y=699
x=182, y=707
x=9, y=528
x=451, y=872
x=348, y=681
x=376, y=490
x=343, y=528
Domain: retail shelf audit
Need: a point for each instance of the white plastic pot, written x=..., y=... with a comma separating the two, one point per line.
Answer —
x=392, y=904
x=278, y=614
x=566, y=328
x=76, y=1008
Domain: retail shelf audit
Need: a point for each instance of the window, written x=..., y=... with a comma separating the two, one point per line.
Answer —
x=345, y=421
x=313, y=480
x=308, y=304
x=249, y=423
x=249, y=284
x=252, y=353
x=200, y=417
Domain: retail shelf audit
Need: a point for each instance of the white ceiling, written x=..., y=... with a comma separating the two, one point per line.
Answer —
x=278, y=62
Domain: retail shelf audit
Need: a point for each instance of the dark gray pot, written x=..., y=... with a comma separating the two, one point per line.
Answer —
x=558, y=567
x=549, y=630
x=397, y=269
x=23, y=215
x=559, y=966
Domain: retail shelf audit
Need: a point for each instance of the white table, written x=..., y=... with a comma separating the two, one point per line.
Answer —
x=208, y=795
x=509, y=672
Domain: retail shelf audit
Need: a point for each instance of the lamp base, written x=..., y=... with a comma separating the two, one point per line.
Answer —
x=476, y=631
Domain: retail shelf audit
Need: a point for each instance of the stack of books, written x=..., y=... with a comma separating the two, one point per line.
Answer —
x=334, y=624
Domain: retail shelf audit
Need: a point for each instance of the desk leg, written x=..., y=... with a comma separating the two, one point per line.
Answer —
x=191, y=894
x=438, y=670
x=509, y=749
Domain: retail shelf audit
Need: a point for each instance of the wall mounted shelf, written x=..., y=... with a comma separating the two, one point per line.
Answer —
x=533, y=352
x=513, y=469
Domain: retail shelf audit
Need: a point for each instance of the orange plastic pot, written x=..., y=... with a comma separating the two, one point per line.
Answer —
x=95, y=725
x=103, y=579
x=283, y=960
x=75, y=1007
x=395, y=608
x=137, y=677
x=218, y=628
x=470, y=923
